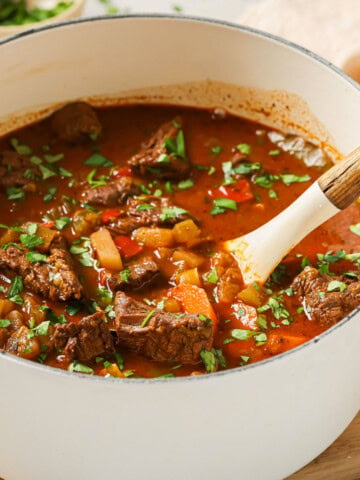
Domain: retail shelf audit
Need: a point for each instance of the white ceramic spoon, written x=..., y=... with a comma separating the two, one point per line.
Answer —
x=259, y=252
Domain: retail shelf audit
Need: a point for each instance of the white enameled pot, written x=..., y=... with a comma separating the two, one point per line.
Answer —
x=261, y=422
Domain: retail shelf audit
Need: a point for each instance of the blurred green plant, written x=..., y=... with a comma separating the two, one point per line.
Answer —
x=15, y=13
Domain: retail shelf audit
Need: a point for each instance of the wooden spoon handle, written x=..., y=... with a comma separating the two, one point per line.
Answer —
x=341, y=184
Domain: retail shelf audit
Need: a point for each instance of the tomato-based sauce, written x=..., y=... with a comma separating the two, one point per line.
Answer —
x=183, y=181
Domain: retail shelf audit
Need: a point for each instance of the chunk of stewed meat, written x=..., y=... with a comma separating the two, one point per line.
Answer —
x=326, y=299
x=22, y=343
x=159, y=335
x=75, y=121
x=111, y=194
x=85, y=340
x=163, y=155
x=54, y=279
x=17, y=171
x=148, y=211
x=136, y=276
x=229, y=277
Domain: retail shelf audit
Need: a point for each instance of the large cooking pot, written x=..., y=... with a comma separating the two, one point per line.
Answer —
x=263, y=421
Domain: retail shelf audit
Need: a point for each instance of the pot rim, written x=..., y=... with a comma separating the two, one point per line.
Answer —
x=195, y=19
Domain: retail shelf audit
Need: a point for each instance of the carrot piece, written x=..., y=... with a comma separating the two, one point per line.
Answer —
x=281, y=342
x=238, y=347
x=194, y=300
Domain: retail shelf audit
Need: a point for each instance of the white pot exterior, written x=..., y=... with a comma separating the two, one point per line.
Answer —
x=261, y=422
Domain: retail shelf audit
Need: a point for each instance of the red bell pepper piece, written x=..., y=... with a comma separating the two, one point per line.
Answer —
x=103, y=277
x=111, y=214
x=122, y=172
x=49, y=224
x=239, y=191
x=128, y=248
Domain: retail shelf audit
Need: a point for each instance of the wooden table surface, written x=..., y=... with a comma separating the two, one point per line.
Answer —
x=341, y=461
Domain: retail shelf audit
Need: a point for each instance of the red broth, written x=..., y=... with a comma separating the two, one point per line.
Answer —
x=264, y=321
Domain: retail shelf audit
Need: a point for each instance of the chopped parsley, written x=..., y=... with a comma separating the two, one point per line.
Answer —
x=73, y=308
x=35, y=160
x=266, y=181
x=246, y=168
x=212, y=277
x=145, y=206
x=355, y=229
x=273, y=194
x=105, y=295
x=4, y=323
x=242, y=334
x=62, y=223
x=290, y=178
x=21, y=149
x=147, y=318
x=80, y=368
x=163, y=158
x=30, y=241
x=185, y=184
x=35, y=257
x=96, y=182
x=65, y=173
x=277, y=308
x=274, y=153
x=244, y=148
x=16, y=13
x=119, y=359
x=125, y=275
x=262, y=322
x=204, y=318
x=53, y=158
x=336, y=285
x=14, y=193
x=176, y=147
x=177, y=8
x=41, y=329
x=47, y=172
x=82, y=248
x=50, y=195
x=97, y=160
x=216, y=150
x=227, y=168
x=213, y=359
x=171, y=212
x=223, y=204
x=16, y=287
x=168, y=187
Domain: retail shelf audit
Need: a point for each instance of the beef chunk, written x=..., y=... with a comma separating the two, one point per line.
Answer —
x=159, y=335
x=230, y=279
x=55, y=279
x=326, y=307
x=139, y=275
x=162, y=156
x=85, y=340
x=75, y=121
x=12, y=171
x=114, y=193
x=148, y=211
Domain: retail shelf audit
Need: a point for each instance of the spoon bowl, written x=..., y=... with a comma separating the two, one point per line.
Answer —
x=335, y=190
